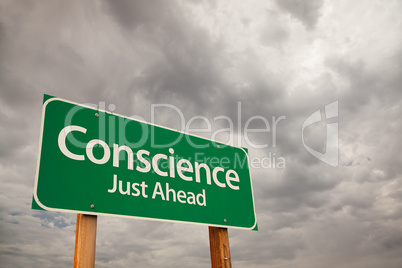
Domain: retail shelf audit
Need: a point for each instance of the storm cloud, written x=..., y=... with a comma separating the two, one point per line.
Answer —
x=272, y=59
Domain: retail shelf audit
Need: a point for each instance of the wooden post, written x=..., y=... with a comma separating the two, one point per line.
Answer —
x=85, y=241
x=219, y=247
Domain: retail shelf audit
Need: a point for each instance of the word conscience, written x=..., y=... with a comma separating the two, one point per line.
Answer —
x=231, y=178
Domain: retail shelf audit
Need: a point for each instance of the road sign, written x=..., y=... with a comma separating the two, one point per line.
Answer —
x=96, y=162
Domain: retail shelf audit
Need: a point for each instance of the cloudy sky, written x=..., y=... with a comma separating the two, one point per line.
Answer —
x=285, y=58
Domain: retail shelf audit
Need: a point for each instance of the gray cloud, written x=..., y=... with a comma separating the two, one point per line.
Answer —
x=308, y=12
x=275, y=30
x=206, y=58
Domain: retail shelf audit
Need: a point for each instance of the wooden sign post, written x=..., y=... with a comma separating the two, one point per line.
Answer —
x=219, y=247
x=85, y=241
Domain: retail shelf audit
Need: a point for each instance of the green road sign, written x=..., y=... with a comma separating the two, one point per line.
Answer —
x=95, y=162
